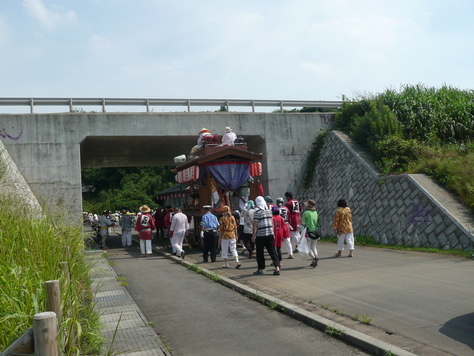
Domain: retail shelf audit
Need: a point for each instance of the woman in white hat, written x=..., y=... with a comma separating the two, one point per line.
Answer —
x=229, y=137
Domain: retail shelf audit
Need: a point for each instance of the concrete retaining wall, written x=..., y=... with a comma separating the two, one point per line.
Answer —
x=392, y=209
x=13, y=185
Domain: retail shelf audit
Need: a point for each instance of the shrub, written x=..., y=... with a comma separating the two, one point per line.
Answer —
x=347, y=113
x=375, y=125
x=395, y=154
x=313, y=158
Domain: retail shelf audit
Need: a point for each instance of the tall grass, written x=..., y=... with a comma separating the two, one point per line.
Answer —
x=452, y=168
x=427, y=130
x=443, y=114
x=31, y=250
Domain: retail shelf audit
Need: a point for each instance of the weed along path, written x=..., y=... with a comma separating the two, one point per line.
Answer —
x=193, y=315
x=415, y=301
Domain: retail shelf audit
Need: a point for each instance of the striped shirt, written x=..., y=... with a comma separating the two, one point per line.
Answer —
x=264, y=222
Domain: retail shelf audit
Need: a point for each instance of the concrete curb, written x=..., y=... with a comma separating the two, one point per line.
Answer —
x=352, y=337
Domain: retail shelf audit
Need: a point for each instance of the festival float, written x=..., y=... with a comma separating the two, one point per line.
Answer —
x=217, y=173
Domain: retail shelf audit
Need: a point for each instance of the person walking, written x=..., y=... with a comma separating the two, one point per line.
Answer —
x=178, y=229
x=284, y=213
x=167, y=219
x=310, y=220
x=126, y=224
x=208, y=226
x=228, y=236
x=294, y=217
x=247, y=218
x=105, y=222
x=240, y=229
x=342, y=226
x=145, y=226
x=278, y=231
x=263, y=236
x=159, y=222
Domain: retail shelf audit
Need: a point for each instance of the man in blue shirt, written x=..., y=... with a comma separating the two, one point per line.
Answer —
x=209, y=224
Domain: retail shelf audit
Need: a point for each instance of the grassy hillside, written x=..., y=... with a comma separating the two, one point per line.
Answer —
x=417, y=130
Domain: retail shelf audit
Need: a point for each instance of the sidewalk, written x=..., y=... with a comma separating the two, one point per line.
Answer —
x=123, y=322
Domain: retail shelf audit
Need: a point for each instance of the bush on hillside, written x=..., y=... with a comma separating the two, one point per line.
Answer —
x=375, y=125
x=417, y=130
x=394, y=154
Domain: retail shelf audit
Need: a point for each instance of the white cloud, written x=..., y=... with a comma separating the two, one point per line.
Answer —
x=46, y=17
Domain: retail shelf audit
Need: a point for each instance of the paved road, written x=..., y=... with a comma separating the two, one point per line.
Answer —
x=196, y=316
x=421, y=302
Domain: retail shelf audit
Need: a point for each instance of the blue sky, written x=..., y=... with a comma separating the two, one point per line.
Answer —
x=260, y=49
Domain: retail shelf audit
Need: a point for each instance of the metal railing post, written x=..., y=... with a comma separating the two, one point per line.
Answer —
x=32, y=103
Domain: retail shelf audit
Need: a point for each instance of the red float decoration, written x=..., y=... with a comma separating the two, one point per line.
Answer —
x=256, y=169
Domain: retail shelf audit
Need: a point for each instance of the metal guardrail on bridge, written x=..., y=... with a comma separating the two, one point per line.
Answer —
x=75, y=102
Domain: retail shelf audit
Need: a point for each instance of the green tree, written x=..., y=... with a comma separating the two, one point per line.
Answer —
x=118, y=188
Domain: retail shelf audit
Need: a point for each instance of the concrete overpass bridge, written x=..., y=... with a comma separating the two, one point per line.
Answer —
x=50, y=149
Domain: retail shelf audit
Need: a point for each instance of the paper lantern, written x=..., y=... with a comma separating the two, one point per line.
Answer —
x=256, y=169
x=189, y=174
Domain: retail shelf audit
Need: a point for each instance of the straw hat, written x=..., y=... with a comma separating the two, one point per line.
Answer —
x=144, y=209
x=310, y=204
x=204, y=130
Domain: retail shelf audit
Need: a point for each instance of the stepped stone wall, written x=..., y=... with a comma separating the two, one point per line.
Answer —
x=12, y=183
x=392, y=209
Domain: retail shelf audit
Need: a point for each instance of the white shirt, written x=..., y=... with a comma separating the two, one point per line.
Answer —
x=179, y=223
x=229, y=138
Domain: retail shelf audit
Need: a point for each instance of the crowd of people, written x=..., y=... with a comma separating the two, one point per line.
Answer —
x=263, y=225
x=258, y=226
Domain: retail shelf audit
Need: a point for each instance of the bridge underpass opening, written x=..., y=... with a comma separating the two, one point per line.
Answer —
x=139, y=151
x=143, y=151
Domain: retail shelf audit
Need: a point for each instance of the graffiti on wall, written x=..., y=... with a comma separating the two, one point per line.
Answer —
x=328, y=119
x=5, y=134
x=419, y=215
